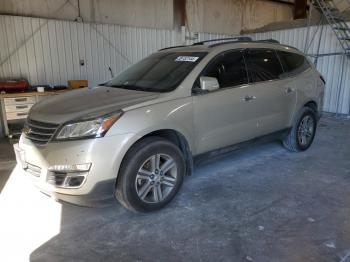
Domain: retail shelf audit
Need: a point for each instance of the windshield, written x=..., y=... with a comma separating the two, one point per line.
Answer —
x=160, y=72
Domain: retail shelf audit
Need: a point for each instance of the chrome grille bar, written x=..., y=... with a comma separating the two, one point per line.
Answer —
x=33, y=170
x=40, y=132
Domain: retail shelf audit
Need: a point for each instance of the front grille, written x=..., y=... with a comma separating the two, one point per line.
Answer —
x=33, y=170
x=39, y=132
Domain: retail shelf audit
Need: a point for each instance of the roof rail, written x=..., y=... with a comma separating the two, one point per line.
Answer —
x=268, y=41
x=165, y=48
x=237, y=39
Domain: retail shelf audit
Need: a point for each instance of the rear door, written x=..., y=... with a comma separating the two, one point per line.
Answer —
x=297, y=70
x=274, y=96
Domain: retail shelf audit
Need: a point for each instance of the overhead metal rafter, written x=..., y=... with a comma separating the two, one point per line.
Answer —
x=300, y=9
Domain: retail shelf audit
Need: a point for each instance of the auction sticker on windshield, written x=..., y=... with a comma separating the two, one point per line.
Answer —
x=186, y=58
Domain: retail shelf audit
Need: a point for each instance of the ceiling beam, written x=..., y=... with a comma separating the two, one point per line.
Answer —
x=179, y=13
x=300, y=9
x=286, y=2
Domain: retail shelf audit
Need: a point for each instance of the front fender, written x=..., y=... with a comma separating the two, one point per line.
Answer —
x=175, y=115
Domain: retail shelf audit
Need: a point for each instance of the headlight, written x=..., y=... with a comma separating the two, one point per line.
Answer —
x=90, y=128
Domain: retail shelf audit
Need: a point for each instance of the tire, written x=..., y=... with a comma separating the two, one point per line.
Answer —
x=294, y=140
x=142, y=186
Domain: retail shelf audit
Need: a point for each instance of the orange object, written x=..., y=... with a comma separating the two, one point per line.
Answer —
x=77, y=83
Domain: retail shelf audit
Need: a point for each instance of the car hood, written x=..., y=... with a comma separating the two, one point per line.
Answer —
x=86, y=103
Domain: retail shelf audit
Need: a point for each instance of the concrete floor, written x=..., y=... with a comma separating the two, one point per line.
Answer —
x=7, y=162
x=256, y=204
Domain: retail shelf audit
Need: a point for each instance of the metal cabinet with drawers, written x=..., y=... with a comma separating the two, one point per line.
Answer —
x=15, y=107
x=18, y=107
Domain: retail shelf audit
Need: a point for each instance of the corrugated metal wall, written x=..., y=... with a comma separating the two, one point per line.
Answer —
x=337, y=96
x=49, y=51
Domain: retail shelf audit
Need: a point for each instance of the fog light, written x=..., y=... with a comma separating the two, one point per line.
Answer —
x=66, y=180
x=68, y=176
x=70, y=168
x=74, y=181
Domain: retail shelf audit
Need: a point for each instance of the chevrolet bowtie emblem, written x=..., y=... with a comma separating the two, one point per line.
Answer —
x=26, y=130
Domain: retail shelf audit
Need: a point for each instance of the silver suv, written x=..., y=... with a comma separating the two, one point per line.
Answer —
x=134, y=137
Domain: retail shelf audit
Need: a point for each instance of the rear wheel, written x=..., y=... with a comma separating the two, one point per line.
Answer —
x=151, y=175
x=303, y=131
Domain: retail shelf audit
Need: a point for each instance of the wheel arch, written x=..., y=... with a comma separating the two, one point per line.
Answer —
x=178, y=139
x=312, y=104
x=175, y=137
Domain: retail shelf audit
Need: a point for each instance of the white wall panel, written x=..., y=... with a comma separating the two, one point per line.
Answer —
x=48, y=52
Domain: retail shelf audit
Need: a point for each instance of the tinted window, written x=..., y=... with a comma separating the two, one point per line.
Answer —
x=160, y=72
x=263, y=65
x=229, y=69
x=293, y=63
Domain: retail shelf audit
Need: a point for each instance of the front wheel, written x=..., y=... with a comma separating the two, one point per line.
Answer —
x=151, y=174
x=303, y=131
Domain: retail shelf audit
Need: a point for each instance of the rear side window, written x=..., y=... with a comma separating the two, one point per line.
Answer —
x=263, y=65
x=229, y=69
x=293, y=63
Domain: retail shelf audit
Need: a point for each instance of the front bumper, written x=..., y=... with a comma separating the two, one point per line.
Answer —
x=105, y=155
x=102, y=194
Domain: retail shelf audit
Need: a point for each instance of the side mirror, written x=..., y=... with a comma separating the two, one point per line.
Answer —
x=209, y=83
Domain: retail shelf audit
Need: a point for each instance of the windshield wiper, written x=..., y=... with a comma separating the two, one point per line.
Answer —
x=129, y=87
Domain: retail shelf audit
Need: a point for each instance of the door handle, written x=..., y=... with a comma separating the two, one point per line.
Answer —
x=289, y=90
x=248, y=98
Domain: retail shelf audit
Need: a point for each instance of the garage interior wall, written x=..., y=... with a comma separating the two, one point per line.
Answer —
x=47, y=51
x=231, y=17
x=222, y=16
x=50, y=52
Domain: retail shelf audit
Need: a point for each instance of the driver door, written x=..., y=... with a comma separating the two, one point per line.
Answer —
x=227, y=115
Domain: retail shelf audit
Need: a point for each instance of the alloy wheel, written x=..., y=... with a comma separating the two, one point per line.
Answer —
x=306, y=130
x=156, y=178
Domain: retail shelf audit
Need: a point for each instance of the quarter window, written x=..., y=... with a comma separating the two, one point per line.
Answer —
x=229, y=69
x=293, y=63
x=263, y=65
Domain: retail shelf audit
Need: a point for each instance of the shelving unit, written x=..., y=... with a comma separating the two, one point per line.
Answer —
x=15, y=108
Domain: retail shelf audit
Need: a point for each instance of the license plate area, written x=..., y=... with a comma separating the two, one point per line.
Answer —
x=20, y=156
